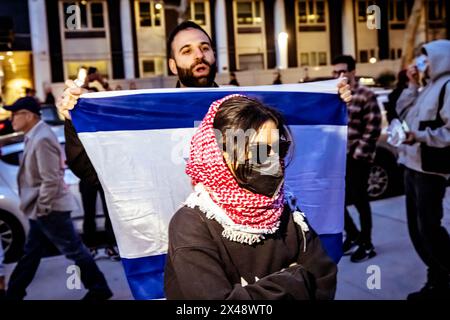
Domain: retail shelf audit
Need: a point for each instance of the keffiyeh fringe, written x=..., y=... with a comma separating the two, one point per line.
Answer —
x=232, y=231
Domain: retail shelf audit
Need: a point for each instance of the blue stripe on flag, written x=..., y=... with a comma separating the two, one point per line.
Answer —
x=164, y=111
x=146, y=276
x=332, y=244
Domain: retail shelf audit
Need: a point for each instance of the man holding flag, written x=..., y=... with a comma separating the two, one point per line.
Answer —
x=192, y=59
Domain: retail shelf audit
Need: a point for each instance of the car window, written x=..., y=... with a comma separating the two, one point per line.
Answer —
x=49, y=114
x=13, y=154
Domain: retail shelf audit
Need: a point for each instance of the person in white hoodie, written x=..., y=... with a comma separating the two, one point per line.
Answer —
x=425, y=182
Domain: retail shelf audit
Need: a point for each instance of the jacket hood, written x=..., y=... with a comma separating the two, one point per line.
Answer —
x=439, y=58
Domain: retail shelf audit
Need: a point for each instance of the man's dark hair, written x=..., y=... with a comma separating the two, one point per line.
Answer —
x=183, y=26
x=349, y=60
x=91, y=70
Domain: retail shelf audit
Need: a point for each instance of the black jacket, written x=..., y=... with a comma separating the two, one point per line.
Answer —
x=201, y=264
x=77, y=158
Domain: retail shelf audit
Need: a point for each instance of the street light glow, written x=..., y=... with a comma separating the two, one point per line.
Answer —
x=282, y=37
x=282, y=49
x=373, y=60
x=158, y=6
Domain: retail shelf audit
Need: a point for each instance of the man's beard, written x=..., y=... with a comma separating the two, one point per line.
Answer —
x=188, y=79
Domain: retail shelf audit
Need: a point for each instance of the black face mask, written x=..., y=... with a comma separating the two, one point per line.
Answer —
x=266, y=178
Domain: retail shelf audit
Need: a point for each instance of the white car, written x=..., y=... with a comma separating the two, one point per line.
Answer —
x=385, y=179
x=13, y=223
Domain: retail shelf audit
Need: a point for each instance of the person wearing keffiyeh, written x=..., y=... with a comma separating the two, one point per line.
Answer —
x=236, y=237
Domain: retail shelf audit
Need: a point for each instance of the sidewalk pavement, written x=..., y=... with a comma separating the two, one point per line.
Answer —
x=400, y=268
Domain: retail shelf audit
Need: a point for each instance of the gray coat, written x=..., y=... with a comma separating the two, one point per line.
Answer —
x=41, y=175
x=414, y=106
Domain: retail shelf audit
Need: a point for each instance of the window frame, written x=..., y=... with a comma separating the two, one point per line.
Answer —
x=193, y=12
x=259, y=54
x=311, y=25
x=439, y=8
x=360, y=55
x=394, y=22
x=89, y=62
x=312, y=13
x=253, y=13
x=360, y=18
x=314, y=58
x=152, y=14
x=156, y=65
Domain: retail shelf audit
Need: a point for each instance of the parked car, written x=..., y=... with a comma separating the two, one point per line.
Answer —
x=13, y=223
x=5, y=127
x=386, y=177
x=50, y=115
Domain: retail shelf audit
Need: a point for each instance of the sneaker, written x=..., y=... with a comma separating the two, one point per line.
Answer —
x=363, y=252
x=112, y=254
x=430, y=292
x=348, y=245
x=98, y=295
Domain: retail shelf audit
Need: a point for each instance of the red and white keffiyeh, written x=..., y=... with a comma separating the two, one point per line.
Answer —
x=245, y=216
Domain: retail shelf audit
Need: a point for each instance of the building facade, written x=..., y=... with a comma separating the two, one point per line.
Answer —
x=126, y=39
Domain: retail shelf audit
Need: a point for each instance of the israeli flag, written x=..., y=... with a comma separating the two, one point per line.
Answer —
x=138, y=142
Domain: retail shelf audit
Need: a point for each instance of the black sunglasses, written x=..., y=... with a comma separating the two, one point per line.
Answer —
x=262, y=151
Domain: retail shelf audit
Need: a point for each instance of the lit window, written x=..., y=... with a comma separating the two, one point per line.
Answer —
x=313, y=56
x=362, y=9
x=97, y=15
x=82, y=15
x=251, y=61
x=304, y=59
x=157, y=9
x=148, y=66
x=363, y=56
x=197, y=12
x=312, y=15
x=436, y=10
x=399, y=10
x=313, y=59
x=72, y=67
x=153, y=66
x=322, y=58
x=249, y=12
x=311, y=11
x=150, y=13
x=144, y=14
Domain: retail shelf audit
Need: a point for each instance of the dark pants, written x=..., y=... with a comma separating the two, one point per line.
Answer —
x=356, y=183
x=424, y=197
x=89, y=198
x=57, y=228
